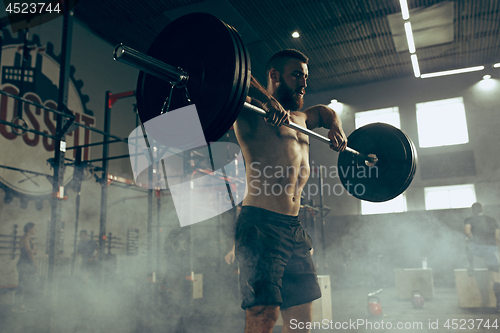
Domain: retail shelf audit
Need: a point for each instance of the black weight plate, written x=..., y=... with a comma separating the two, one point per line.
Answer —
x=394, y=170
x=232, y=110
x=415, y=161
x=245, y=74
x=203, y=46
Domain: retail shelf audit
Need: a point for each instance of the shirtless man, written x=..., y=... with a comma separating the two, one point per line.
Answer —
x=276, y=267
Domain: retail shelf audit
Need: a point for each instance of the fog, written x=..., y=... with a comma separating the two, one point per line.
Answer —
x=151, y=289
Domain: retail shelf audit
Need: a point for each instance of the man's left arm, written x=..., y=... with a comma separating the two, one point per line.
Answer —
x=323, y=116
x=95, y=253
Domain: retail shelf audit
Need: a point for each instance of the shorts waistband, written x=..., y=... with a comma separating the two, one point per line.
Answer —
x=269, y=215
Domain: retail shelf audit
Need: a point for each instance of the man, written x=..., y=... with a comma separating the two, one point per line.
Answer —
x=89, y=250
x=483, y=233
x=276, y=268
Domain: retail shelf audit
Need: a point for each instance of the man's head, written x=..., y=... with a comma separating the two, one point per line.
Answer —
x=287, y=74
x=29, y=228
x=477, y=208
x=83, y=235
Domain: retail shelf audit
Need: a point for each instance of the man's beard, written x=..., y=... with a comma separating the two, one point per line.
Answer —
x=288, y=98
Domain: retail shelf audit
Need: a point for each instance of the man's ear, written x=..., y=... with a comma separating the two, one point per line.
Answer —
x=274, y=75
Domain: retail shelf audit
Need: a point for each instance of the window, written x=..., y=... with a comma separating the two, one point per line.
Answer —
x=445, y=197
x=442, y=123
x=396, y=205
x=389, y=116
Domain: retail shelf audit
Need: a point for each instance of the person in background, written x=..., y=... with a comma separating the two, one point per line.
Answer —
x=483, y=235
x=26, y=268
x=89, y=250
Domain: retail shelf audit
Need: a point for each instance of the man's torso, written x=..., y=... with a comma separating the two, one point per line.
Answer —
x=87, y=249
x=276, y=161
x=483, y=229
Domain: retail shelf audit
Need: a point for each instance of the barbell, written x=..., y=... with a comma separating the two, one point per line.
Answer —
x=199, y=59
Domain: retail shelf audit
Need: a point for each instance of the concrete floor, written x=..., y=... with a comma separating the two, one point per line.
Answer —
x=351, y=305
x=126, y=310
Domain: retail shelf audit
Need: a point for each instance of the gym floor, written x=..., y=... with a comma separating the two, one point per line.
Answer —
x=81, y=314
x=359, y=65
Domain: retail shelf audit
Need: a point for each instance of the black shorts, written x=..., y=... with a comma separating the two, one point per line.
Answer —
x=276, y=266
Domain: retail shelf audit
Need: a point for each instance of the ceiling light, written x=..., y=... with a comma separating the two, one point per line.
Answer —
x=454, y=71
x=497, y=65
x=409, y=37
x=404, y=9
x=487, y=77
x=295, y=34
x=414, y=62
x=336, y=106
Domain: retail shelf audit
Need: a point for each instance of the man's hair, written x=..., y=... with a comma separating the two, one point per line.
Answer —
x=477, y=208
x=279, y=60
x=28, y=226
x=84, y=232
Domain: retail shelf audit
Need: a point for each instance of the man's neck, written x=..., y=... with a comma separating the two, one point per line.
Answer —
x=271, y=91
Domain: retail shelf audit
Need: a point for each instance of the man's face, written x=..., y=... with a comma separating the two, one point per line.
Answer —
x=291, y=89
x=83, y=236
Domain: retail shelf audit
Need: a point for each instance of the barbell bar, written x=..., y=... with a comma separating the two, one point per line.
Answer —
x=127, y=55
x=178, y=78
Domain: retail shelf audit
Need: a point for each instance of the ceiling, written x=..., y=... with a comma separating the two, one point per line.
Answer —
x=349, y=42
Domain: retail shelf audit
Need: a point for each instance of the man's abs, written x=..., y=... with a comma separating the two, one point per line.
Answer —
x=277, y=166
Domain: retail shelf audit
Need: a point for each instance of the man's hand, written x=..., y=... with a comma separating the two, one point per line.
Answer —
x=276, y=114
x=230, y=257
x=338, y=138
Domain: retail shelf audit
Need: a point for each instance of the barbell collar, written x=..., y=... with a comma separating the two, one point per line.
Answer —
x=308, y=132
x=176, y=76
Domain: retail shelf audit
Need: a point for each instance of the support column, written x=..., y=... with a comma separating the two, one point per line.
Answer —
x=104, y=180
x=58, y=165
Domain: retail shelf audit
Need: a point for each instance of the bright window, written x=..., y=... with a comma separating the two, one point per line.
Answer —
x=445, y=197
x=396, y=205
x=442, y=123
x=389, y=116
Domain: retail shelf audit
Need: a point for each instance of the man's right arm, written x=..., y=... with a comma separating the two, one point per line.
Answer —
x=468, y=231
x=230, y=255
x=29, y=250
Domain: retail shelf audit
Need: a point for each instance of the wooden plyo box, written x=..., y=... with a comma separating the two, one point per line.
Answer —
x=322, y=307
x=475, y=291
x=410, y=279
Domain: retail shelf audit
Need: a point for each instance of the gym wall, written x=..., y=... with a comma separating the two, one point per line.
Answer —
x=95, y=68
x=481, y=107
x=354, y=241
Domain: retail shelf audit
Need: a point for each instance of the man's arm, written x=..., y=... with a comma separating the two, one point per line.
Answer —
x=468, y=231
x=323, y=116
x=96, y=251
x=29, y=250
x=259, y=97
x=230, y=255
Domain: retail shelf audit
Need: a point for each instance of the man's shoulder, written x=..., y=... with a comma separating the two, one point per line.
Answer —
x=489, y=218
